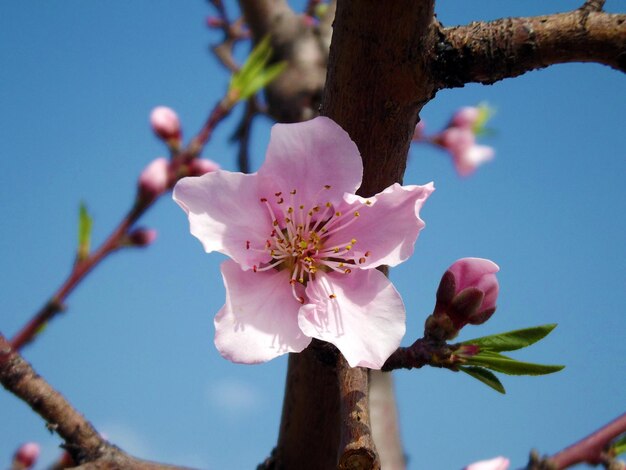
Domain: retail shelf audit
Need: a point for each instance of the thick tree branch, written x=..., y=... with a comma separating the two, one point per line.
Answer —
x=486, y=52
x=356, y=447
x=82, y=441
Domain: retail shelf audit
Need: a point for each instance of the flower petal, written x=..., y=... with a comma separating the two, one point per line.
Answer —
x=387, y=226
x=308, y=156
x=225, y=213
x=260, y=318
x=365, y=319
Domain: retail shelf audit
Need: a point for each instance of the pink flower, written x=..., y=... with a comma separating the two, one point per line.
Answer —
x=154, y=178
x=499, y=463
x=477, y=273
x=466, y=117
x=165, y=123
x=26, y=456
x=200, y=166
x=303, y=248
x=466, y=154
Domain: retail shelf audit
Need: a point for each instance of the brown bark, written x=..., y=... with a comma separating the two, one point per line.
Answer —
x=486, y=52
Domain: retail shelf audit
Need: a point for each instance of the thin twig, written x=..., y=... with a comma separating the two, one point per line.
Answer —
x=356, y=448
x=242, y=134
x=55, y=304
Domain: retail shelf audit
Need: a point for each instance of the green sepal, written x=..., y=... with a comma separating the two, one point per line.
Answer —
x=85, y=223
x=512, y=340
x=485, y=113
x=485, y=376
x=506, y=365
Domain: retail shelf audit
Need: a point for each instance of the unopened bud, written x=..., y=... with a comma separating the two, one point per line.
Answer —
x=467, y=293
x=165, y=123
x=200, y=166
x=154, y=178
x=26, y=456
x=214, y=22
x=141, y=237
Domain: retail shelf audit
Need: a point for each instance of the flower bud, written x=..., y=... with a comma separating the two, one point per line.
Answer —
x=467, y=293
x=499, y=463
x=154, y=178
x=214, y=22
x=165, y=123
x=26, y=456
x=466, y=117
x=418, y=133
x=200, y=166
x=141, y=237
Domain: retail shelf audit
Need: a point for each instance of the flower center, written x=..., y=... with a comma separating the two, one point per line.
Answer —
x=299, y=241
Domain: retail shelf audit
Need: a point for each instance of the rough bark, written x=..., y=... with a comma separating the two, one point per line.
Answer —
x=486, y=52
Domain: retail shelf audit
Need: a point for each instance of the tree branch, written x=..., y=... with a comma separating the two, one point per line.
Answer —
x=82, y=441
x=356, y=447
x=486, y=52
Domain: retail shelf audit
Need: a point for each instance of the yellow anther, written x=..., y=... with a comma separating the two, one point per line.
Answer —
x=290, y=210
x=287, y=220
x=332, y=296
x=337, y=214
x=347, y=270
x=356, y=213
x=293, y=191
x=348, y=247
x=301, y=207
x=303, y=245
x=369, y=203
x=275, y=223
x=336, y=250
x=353, y=241
x=328, y=204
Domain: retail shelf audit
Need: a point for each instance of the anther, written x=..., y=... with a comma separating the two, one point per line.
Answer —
x=263, y=199
x=327, y=186
x=332, y=296
x=247, y=244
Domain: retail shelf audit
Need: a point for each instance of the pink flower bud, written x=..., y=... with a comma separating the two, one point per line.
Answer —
x=165, y=123
x=214, y=22
x=465, y=117
x=418, y=133
x=27, y=455
x=499, y=463
x=142, y=237
x=309, y=20
x=477, y=274
x=154, y=178
x=200, y=166
x=467, y=293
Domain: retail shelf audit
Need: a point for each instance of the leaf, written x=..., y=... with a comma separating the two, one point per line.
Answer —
x=85, y=223
x=254, y=75
x=512, y=340
x=506, y=365
x=486, y=377
x=619, y=446
x=263, y=79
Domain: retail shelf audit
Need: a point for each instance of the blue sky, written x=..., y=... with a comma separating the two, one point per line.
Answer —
x=134, y=350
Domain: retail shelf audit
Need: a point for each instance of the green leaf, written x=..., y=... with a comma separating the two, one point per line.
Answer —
x=486, y=377
x=262, y=79
x=619, y=445
x=485, y=113
x=506, y=365
x=85, y=223
x=512, y=340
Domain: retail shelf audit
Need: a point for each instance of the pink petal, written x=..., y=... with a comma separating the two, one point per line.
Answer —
x=386, y=230
x=308, y=156
x=479, y=273
x=499, y=463
x=226, y=215
x=469, y=159
x=365, y=319
x=260, y=318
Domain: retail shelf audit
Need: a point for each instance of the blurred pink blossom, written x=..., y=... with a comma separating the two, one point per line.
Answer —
x=499, y=463
x=304, y=248
x=465, y=117
x=142, y=237
x=26, y=456
x=466, y=154
x=200, y=166
x=165, y=123
x=154, y=178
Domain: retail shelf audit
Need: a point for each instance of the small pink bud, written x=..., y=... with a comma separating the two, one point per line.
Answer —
x=499, y=463
x=154, y=178
x=418, y=134
x=200, y=166
x=309, y=20
x=142, y=237
x=214, y=22
x=165, y=123
x=471, y=275
x=467, y=293
x=26, y=456
x=465, y=117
